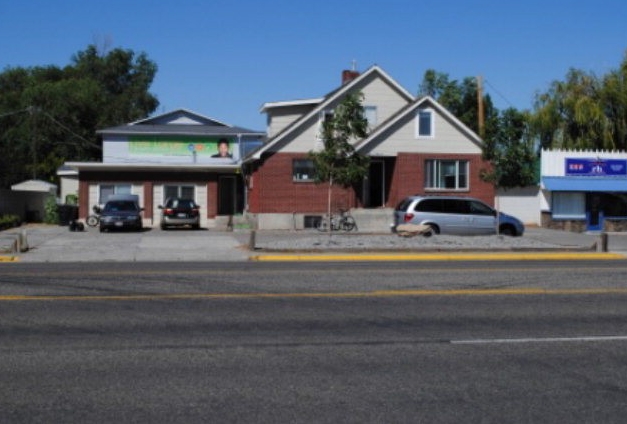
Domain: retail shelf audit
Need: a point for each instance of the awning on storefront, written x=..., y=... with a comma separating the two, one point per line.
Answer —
x=608, y=184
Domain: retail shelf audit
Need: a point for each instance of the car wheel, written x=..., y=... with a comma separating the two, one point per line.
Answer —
x=507, y=230
x=433, y=229
x=164, y=227
x=102, y=230
x=195, y=227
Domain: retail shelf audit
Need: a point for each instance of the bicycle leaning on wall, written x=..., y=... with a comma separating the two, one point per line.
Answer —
x=94, y=219
x=344, y=221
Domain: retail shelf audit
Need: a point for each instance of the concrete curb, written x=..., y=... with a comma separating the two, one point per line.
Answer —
x=453, y=256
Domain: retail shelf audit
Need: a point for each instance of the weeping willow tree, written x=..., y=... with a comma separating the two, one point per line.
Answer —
x=584, y=111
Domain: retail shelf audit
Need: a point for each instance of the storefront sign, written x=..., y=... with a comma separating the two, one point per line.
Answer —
x=596, y=167
x=168, y=146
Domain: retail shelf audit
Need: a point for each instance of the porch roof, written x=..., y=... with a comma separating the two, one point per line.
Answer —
x=607, y=184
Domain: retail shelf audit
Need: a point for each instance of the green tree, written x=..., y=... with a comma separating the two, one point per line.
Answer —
x=512, y=152
x=460, y=98
x=49, y=115
x=338, y=163
x=572, y=114
x=507, y=140
x=614, y=100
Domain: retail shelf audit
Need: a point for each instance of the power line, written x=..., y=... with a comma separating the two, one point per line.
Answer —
x=91, y=143
x=499, y=93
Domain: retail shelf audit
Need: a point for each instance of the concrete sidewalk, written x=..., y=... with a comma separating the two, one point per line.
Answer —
x=57, y=244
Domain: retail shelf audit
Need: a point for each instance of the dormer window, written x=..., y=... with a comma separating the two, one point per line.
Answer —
x=424, y=123
x=370, y=113
x=324, y=116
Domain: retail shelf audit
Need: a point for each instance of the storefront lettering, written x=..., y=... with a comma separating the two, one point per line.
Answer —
x=596, y=167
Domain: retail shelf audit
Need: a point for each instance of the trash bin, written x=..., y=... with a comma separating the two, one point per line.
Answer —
x=67, y=213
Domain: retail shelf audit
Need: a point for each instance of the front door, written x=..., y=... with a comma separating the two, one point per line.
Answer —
x=594, y=213
x=228, y=203
x=374, y=185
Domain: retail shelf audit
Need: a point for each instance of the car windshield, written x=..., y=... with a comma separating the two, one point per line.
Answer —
x=121, y=206
x=181, y=203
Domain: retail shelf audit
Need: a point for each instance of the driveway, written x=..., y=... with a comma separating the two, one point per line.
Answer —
x=58, y=244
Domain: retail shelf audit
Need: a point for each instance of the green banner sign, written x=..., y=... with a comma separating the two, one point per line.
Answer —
x=178, y=146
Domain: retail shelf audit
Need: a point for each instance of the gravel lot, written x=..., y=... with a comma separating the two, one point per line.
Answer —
x=317, y=241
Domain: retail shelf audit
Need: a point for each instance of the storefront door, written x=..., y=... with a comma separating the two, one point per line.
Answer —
x=594, y=213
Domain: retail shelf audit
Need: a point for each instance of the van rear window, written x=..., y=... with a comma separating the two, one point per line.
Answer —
x=404, y=204
x=429, y=205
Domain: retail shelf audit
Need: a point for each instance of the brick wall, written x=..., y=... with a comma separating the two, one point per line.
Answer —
x=272, y=189
x=408, y=177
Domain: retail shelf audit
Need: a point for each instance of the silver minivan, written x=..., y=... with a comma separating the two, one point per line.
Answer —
x=455, y=215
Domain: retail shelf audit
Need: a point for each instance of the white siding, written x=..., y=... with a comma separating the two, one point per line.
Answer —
x=69, y=185
x=553, y=161
x=376, y=93
x=387, y=100
x=115, y=149
x=281, y=117
x=523, y=202
x=447, y=139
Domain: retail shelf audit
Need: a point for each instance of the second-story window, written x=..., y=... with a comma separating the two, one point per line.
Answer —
x=370, y=113
x=424, y=123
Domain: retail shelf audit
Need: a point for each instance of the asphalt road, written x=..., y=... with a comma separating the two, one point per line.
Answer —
x=342, y=342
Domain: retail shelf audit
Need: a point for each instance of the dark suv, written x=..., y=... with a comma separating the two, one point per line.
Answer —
x=180, y=212
x=121, y=212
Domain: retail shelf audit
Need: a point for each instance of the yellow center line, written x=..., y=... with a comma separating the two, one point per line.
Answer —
x=356, y=294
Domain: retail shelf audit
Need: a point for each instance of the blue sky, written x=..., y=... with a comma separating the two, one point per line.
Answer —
x=225, y=58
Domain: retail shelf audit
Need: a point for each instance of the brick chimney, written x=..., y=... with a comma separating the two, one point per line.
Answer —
x=348, y=76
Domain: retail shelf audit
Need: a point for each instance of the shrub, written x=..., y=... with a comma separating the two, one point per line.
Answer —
x=51, y=211
x=9, y=221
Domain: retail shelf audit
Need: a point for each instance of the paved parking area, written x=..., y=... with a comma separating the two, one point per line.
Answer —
x=57, y=244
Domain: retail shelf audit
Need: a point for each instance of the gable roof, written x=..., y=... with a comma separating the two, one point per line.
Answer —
x=181, y=116
x=411, y=109
x=179, y=122
x=326, y=100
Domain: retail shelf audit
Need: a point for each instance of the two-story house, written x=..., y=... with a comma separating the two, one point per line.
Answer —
x=415, y=145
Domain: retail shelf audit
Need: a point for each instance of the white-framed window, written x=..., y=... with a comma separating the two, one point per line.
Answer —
x=424, y=123
x=568, y=205
x=370, y=113
x=303, y=170
x=106, y=190
x=323, y=116
x=184, y=191
x=446, y=174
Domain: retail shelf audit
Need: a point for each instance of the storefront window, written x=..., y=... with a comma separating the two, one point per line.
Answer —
x=107, y=190
x=184, y=191
x=569, y=205
x=613, y=204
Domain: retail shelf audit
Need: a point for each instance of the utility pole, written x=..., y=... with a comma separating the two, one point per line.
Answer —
x=33, y=136
x=480, y=112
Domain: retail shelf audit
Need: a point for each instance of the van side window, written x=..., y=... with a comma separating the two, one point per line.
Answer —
x=455, y=206
x=429, y=205
x=478, y=208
